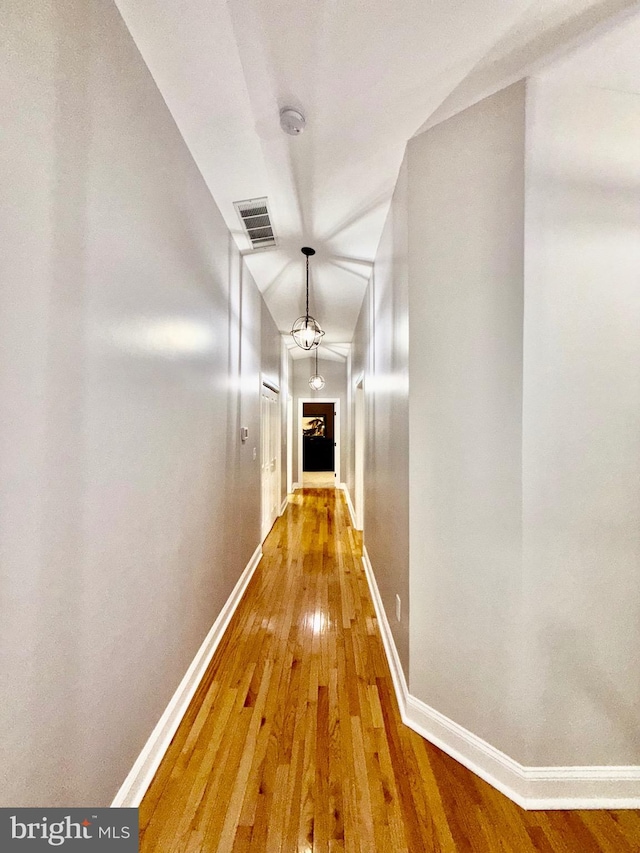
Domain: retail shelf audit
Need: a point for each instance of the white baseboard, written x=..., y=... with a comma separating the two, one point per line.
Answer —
x=141, y=775
x=397, y=673
x=296, y=486
x=530, y=787
x=352, y=511
x=283, y=505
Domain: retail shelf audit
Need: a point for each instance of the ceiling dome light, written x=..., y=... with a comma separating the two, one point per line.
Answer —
x=316, y=382
x=306, y=331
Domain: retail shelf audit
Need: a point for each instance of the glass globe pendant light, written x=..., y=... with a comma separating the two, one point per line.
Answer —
x=316, y=382
x=306, y=331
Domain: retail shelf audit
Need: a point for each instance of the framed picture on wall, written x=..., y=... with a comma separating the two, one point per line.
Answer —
x=314, y=425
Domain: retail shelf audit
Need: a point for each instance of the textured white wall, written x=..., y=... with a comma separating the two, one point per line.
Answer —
x=131, y=355
x=581, y=443
x=466, y=225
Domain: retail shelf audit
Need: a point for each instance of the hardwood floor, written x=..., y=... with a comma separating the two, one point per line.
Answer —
x=318, y=480
x=293, y=741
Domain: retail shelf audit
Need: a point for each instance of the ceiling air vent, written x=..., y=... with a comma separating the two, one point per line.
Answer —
x=255, y=218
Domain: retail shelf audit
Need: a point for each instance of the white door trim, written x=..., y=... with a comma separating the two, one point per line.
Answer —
x=336, y=432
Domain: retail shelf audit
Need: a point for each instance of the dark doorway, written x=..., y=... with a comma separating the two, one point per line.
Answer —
x=318, y=437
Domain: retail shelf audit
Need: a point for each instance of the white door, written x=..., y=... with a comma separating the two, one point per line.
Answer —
x=270, y=458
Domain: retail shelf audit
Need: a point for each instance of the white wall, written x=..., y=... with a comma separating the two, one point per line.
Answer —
x=131, y=356
x=286, y=391
x=523, y=460
x=380, y=352
x=466, y=218
x=581, y=442
x=275, y=370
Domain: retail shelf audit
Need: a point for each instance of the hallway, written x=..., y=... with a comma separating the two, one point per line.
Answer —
x=293, y=741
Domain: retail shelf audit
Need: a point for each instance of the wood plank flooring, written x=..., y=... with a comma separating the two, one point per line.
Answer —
x=293, y=742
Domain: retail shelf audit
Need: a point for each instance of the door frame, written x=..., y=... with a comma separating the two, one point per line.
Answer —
x=336, y=433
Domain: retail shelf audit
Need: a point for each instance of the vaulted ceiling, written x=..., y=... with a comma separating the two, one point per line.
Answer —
x=367, y=76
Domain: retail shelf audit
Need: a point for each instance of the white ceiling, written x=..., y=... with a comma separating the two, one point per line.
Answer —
x=367, y=76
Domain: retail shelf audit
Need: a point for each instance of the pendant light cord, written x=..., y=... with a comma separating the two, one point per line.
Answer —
x=307, y=315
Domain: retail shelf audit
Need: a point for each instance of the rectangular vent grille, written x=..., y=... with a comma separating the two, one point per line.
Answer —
x=254, y=215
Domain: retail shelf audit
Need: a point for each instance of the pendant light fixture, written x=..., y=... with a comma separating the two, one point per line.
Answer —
x=306, y=331
x=316, y=382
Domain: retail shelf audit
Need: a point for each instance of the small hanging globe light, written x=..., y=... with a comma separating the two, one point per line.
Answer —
x=316, y=382
x=306, y=331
